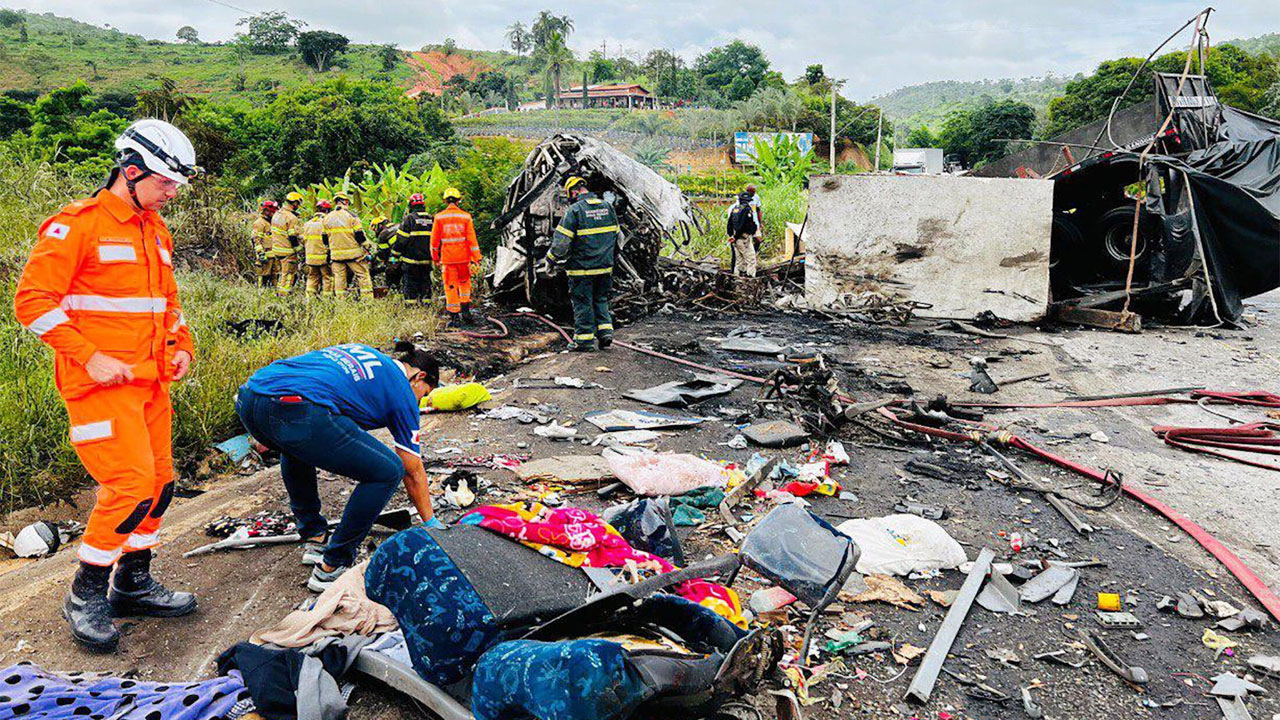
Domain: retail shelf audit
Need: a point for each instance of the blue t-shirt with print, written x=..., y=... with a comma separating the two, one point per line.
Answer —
x=353, y=380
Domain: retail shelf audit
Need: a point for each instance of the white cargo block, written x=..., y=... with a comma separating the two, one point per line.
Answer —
x=959, y=244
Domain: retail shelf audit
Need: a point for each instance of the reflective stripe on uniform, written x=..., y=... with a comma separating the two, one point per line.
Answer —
x=587, y=336
x=409, y=261
x=94, y=556
x=102, y=303
x=454, y=240
x=565, y=231
x=87, y=432
x=593, y=271
x=165, y=257
x=142, y=542
x=48, y=321
x=117, y=253
x=605, y=326
x=599, y=230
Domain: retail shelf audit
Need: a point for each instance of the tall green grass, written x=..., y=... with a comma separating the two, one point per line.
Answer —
x=37, y=464
x=782, y=204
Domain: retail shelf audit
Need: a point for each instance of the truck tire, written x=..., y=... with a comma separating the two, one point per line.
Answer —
x=1115, y=235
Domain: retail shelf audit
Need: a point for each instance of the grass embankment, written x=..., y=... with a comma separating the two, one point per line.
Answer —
x=60, y=51
x=37, y=464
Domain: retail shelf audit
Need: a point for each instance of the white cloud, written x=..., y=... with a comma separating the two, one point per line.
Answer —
x=877, y=46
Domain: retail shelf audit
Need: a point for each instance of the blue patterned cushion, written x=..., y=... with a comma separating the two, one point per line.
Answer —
x=445, y=622
x=569, y=680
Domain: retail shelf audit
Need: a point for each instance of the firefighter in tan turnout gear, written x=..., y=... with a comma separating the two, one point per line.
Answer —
x=266, y=263
x=286, y=242
x=347, y=253
x=315, y=243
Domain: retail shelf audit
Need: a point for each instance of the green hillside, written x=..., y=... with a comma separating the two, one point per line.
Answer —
x=58, y=51
x=929, y=103
x=1269, y=43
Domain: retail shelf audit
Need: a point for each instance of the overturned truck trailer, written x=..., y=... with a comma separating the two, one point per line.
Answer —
x=1208, y=223
x=651, y=212
x=1052, y=228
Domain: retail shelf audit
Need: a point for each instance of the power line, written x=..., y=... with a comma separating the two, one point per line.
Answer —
x=229, y=5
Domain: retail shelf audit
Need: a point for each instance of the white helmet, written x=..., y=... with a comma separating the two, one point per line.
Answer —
x=162, y=147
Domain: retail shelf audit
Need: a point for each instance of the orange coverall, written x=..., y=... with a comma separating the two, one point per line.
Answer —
x=454, y=246
x=100, y=279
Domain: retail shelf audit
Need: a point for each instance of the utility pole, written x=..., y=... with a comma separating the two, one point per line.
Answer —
x=879, y=128
x=831, y=141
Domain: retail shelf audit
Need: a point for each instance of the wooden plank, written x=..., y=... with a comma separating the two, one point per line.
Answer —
x=1093, y=317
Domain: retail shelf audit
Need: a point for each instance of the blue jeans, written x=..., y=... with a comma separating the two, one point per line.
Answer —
x=310, y=436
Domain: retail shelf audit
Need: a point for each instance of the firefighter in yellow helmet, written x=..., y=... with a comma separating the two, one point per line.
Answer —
x=316, y=256
x=347, y=254
x=585, y=243
x=266, y=263
x=286, y=241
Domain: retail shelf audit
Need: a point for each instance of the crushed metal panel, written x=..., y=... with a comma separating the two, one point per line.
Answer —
x=960, y=245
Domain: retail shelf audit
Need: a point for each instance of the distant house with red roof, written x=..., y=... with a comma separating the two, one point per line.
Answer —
x=615, y=95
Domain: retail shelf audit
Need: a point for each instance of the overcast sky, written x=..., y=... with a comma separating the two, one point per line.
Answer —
x=878, y=46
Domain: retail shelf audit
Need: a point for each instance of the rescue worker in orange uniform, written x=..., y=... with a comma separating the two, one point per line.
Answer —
x=99, y=289
x=267, y=264
x=454, y=248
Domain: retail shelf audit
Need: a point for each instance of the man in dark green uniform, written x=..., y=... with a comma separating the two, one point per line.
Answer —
x=585, y=242
x=411, y=247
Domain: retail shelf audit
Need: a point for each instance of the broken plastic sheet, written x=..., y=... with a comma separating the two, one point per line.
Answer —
x=650, y=473
x=902, y=544
x=800, y=552
x=236, y=448
x=682, y=393
x=614, y=420
x=750, y=341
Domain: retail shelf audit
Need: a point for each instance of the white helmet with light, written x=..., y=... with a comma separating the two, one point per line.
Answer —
x=163, y=148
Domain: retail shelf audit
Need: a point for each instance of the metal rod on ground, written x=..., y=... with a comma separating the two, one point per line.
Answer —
x=245, y=542
x=927, y=674
x=1144, y=393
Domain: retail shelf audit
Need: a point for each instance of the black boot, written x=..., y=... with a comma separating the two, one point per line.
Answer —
x=89, y=611
x=135, y=592
x=467, y=318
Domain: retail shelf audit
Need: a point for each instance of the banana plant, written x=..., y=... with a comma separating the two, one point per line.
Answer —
x=382, y=190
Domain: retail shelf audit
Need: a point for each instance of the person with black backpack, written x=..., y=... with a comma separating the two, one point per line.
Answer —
x=741, y=229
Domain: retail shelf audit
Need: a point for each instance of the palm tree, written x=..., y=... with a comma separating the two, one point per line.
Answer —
x=557, y=56
x=518, y=37
x=545, y=25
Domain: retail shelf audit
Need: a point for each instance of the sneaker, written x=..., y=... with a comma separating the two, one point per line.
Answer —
x=321, y=580
x=313, y=552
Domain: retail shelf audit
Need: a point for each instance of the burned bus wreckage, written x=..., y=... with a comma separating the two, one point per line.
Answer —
x=651, y=212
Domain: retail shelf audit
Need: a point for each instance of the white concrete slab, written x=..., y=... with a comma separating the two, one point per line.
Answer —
x=959, y=244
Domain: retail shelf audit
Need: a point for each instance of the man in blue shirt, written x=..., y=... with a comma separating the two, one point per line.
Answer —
x=315, y=410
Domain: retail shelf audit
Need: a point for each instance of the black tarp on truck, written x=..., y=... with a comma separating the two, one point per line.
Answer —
x=1208, y=223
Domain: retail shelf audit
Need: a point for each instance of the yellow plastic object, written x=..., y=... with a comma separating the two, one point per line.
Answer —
x=1109, y=602
x=449, y=398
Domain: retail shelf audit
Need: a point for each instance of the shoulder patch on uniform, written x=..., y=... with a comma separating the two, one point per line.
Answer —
x=57, y=230
x=80, y=206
